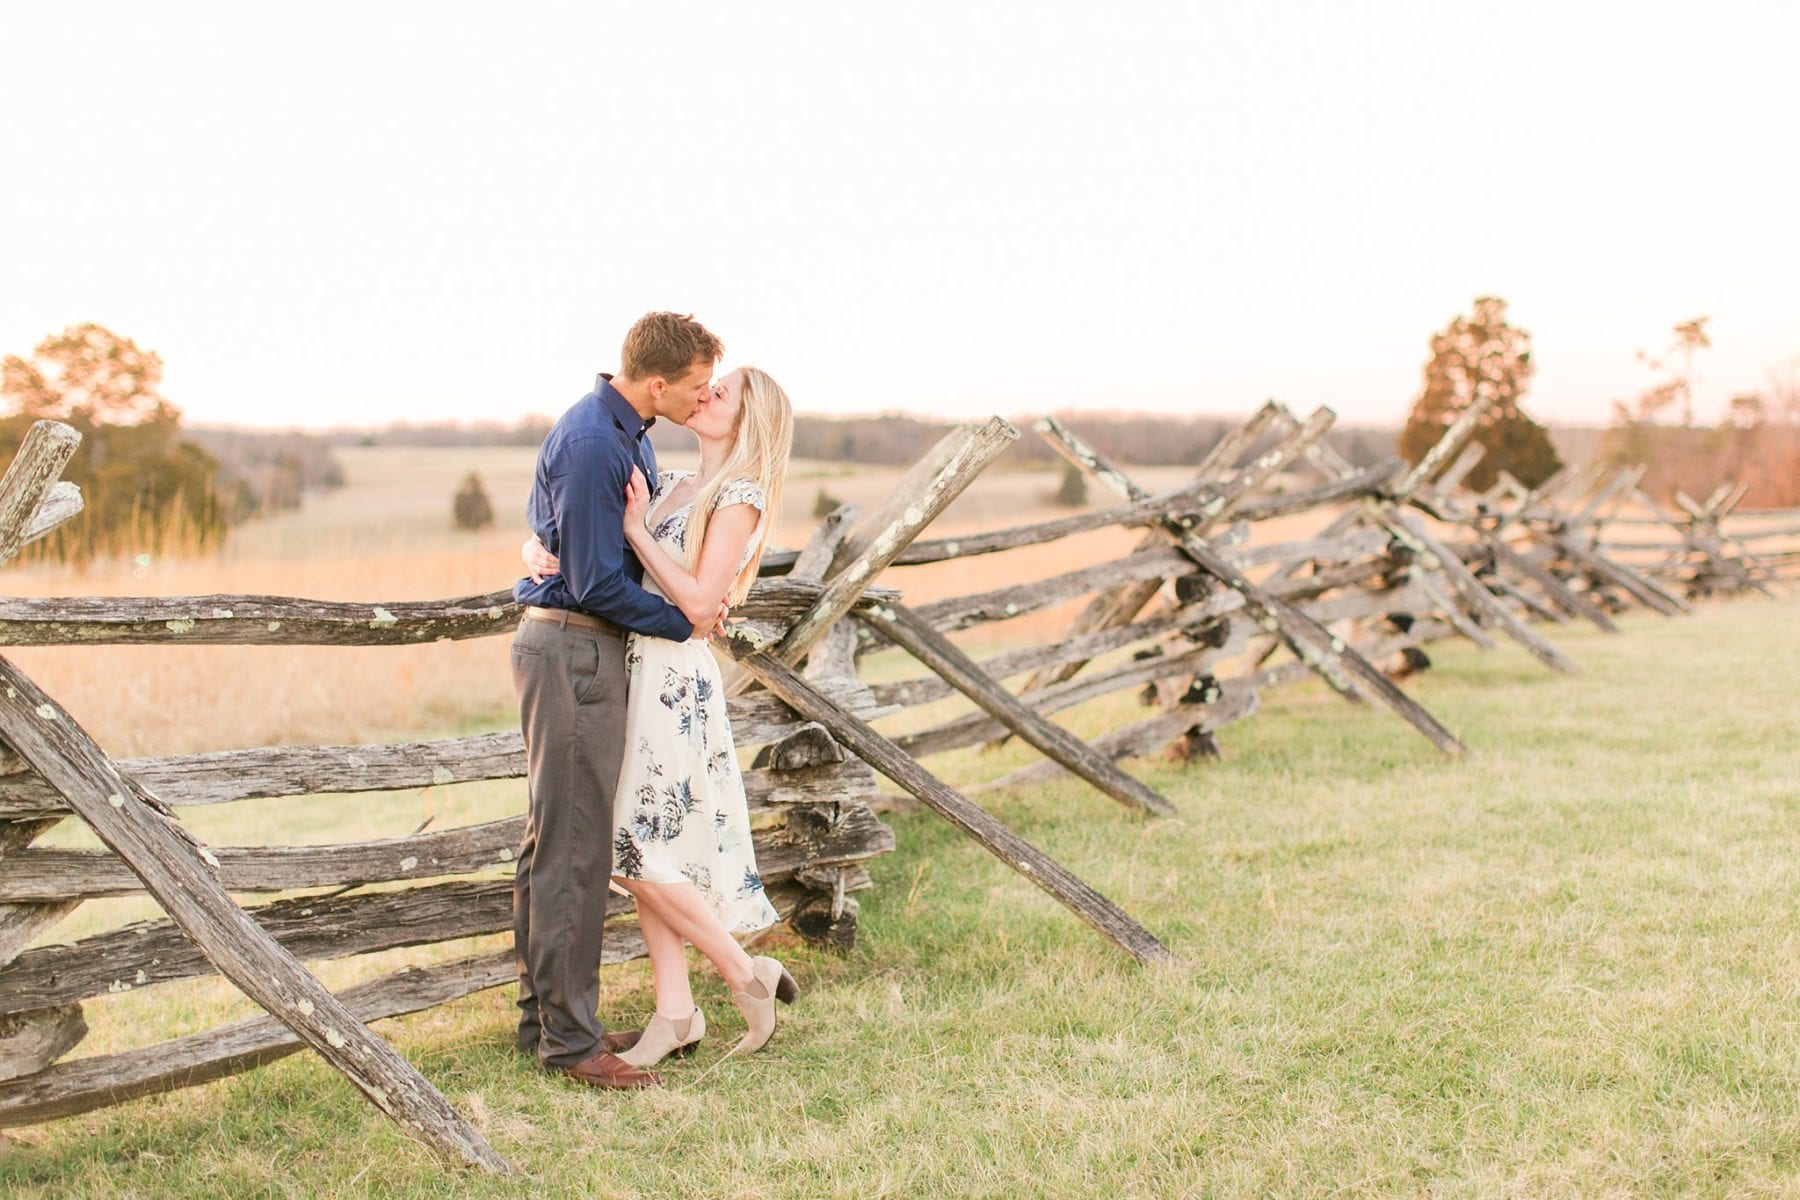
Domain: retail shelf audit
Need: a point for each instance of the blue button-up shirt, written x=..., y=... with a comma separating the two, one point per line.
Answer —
x=577, y=509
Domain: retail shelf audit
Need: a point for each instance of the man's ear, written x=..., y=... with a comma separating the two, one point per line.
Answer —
x=656, y=385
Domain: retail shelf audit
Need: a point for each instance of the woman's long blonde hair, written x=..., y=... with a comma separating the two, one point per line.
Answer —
x=765, y=434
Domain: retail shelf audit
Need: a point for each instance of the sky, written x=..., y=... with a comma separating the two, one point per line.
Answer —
x=350, y=214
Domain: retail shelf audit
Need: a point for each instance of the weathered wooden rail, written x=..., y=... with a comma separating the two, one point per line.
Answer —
x=1548, y=548
x=1315, y=596
x=1409, y=558
x=1195, y=618
x=809, y=795
x=817, y=832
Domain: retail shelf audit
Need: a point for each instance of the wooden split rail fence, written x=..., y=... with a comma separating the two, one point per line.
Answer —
x=809, y=798
x=1340, y=604
x=1203, y=617
x=1199, y=616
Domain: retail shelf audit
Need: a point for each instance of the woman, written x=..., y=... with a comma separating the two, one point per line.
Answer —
x=681, y=835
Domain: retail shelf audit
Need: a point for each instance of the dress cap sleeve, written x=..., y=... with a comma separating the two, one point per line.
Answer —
x=743, y=491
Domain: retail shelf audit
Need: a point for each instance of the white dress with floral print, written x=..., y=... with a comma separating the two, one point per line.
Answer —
x=679, y=811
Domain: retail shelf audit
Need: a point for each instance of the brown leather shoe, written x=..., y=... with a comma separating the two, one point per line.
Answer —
x=606, y=1070
x=616, y=1040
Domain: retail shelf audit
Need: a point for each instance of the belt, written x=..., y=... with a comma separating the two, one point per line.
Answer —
x=566, y=617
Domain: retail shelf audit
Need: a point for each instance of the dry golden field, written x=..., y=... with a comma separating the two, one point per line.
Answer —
x=387, y=535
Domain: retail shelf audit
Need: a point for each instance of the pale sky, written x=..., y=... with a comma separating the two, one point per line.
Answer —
x=354, y=213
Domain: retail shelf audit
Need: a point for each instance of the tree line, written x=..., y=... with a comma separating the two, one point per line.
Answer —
x=151, y=485
x=891, y=439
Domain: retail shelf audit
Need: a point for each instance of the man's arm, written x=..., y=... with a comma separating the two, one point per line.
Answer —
x=588, y=498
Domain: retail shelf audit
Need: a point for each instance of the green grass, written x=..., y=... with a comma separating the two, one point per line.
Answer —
x=1562, y=966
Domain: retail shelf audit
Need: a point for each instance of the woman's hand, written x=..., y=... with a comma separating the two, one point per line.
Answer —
x=637, y=504
x=538, y=561
x=713, y=628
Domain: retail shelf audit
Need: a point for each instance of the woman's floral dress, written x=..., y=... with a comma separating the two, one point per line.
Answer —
x=679, y=811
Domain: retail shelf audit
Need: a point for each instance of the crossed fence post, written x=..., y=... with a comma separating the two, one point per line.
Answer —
x=180, y=873
x=1388, y=511
x=1314, y=645
x=859, y=555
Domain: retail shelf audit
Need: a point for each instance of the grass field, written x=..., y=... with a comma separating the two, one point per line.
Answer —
x=1563, y=966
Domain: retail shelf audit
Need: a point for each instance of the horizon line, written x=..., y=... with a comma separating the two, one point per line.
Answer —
x=460, y=424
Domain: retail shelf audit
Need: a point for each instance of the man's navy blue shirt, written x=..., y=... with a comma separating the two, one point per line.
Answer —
x=577, y=509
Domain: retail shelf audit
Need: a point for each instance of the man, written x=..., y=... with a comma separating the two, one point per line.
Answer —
x=568, y=661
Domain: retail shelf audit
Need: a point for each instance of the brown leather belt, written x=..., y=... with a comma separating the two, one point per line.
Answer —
x=566, y=617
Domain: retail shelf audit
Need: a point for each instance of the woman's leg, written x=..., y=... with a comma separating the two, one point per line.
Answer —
x=668, y=958
x=686, y=912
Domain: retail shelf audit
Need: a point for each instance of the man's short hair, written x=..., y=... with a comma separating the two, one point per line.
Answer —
x=667, y=344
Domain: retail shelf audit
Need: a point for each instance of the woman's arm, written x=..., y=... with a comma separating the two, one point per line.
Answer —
x=698, y=594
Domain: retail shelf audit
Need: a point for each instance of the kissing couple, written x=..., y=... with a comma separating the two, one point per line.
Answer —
x=632, y=775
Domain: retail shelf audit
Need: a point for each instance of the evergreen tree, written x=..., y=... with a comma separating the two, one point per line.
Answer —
x=1481, y=356
x=471, y=507
x=1072, y=492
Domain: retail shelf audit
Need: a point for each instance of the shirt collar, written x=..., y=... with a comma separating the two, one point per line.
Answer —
x=620, y=407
